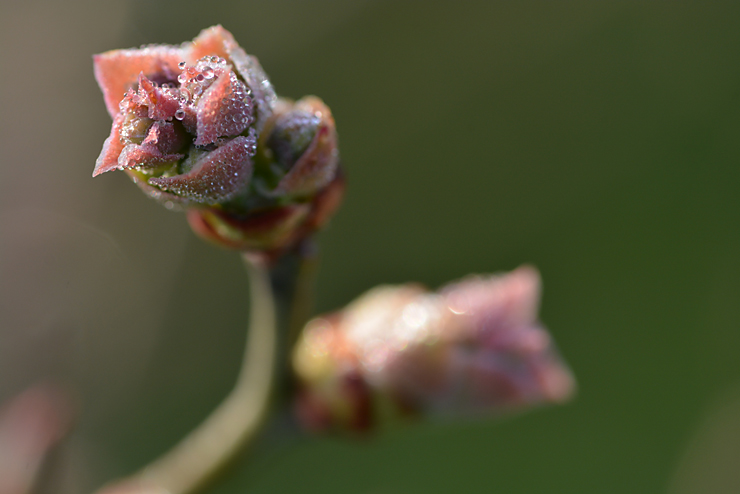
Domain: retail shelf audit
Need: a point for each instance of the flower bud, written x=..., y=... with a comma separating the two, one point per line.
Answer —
x=473, y=347
x=31, y=425
x=199, y=127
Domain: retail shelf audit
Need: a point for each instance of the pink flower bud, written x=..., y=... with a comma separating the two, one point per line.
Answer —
x=186, y=126
x=199, y=126
x=31, y=424
x=475, y=346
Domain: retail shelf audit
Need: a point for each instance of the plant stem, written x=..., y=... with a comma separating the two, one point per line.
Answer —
x=275, y=291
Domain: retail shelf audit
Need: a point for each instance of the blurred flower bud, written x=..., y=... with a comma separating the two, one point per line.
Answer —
x=31, y=424
x=473, y=347
x=199, y=126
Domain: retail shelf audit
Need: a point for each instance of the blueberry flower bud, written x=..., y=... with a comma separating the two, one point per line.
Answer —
x=475, y=346
x=198, y=126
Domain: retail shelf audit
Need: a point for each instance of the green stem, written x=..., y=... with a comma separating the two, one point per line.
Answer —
x=203, y=453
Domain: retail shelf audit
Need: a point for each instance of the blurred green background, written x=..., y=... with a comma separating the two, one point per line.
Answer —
x=596, y=140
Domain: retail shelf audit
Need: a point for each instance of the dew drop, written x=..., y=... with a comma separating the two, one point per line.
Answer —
x=181, y=65
x=200, y=78
x=179, y=114
x=182, y=78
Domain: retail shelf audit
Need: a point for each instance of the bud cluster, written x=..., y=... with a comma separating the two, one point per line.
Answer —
x=199, y=127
